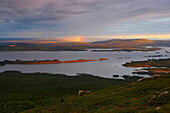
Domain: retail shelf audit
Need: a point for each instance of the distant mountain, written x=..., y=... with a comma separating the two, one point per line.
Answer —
x=124, y=42
x=112, y=40
x=132, y=43
x=65, y=45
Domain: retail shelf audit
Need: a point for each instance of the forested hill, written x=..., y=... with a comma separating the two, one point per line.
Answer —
x=147, y=95
x=57, y=93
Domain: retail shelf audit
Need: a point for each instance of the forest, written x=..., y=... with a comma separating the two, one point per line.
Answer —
x=146, y=95
x=23, y=91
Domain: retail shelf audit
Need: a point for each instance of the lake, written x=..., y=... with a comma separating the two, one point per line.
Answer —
x=106, y=69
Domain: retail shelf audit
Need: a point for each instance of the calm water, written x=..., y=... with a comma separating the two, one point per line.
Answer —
x=99, y=68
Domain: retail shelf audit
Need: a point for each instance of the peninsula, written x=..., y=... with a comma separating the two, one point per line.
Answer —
x=149, y=63
x=152, y=67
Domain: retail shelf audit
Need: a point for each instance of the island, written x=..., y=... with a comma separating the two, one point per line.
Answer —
x=126, y=49
x=156, y=56
x=55, y=61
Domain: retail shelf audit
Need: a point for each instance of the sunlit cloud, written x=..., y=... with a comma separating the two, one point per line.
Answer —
x=160, y=37
x=70, y=38
x=145, y=36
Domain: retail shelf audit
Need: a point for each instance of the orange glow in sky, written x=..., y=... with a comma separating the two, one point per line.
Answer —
x=161, y=36
x=165, y=36
x=103, y=37
x=79, y=38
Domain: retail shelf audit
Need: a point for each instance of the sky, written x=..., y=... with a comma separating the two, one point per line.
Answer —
x=90, y=19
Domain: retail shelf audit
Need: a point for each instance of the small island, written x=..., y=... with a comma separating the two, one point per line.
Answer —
x=156, y=56
x=55, y=61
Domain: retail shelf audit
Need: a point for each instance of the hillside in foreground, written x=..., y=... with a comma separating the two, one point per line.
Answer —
x=23, y=91
x=147, y=95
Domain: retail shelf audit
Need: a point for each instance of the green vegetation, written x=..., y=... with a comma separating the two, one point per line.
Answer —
x=23, y=91
x=149, y=63
x=42, y=92
x=150, y=95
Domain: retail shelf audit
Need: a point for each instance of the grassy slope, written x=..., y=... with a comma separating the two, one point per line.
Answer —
x=128, y=98
x=23, y=91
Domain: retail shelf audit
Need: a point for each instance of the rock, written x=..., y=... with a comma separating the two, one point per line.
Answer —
x=115, y=75
x=158, y=108
x=157, y=97
x=155, y=76
x=82, y=92
x=142, y=79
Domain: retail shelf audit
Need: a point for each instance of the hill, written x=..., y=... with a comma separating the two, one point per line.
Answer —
x=148, y=95
x=125, y=42
x=23, y=91
x=132, y=42
x=63, y=45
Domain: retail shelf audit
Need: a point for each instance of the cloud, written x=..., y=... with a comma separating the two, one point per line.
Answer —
x=87, y=17
x=38, y=11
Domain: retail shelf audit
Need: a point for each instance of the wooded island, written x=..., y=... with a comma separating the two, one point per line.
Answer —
x=55, y=61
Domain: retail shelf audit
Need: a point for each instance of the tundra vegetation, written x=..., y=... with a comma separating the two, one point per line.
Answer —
x=150, y=95
x=23, y=91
